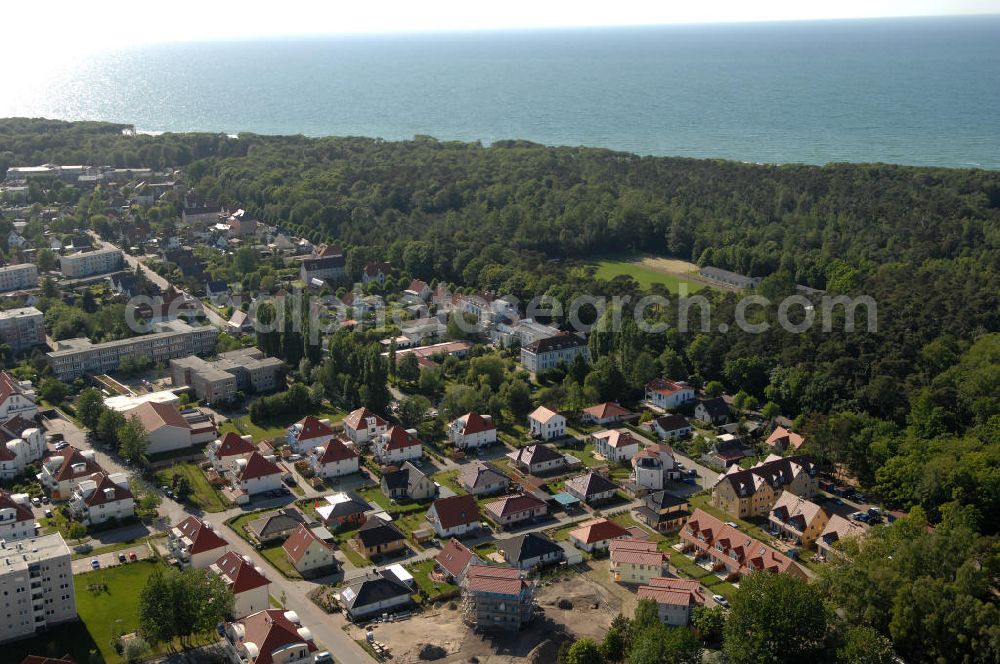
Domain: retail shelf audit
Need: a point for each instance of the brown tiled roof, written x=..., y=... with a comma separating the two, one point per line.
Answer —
x=521, y=502
x=299, y=542
x=334, y=451
x=454, y=557
x=21, y=512
x=233, y=444
x=356, y=418
x=154, y=415
x=475, y=423
x=71, y=456
x=498, y=579
x=202, y=537
x=784, y=436
x=400, y=438
x=665, y=387
x=618, y=437
x=257, y=466
x=456, y=511
x=636, y=552
x=608, y=409
x=270, y=630
x=542, y=414
x=598, y=530
x=99, y=497
x=240, y=575
x=536, y=454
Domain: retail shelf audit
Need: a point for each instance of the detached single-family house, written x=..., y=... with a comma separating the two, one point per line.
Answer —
x=377, y=537
x=713, y=411
x=616, y=445
x=782, y=439
x=245, y=580
x=637, y=561
x=482, y=479
x=216, y=291
x=102, y=498
x=418, y=292
x=363, y=425
x=334, y=459
x=454, y=559
x=397, y=445
x=16, y=518
x=676, y=599
x=343, y=509
x=63, y=471
x=224, y=452
x=408, y=483
x=664, y=393
x=797, y=519
x=669, y=427
x=472, y=431
x=195, y=543
x=592, y=488
x=597, y=534
x=308, y=433
x=663, y=511
x=653, y=467
x=606, y=413
x=537, y=459
x=546, y=424
x=256, y=474
x=308, y=554
x=375, y=594
x=454, y=516
x=512, y=510
x=275, y=526
x=273, y=636
x=530, y=550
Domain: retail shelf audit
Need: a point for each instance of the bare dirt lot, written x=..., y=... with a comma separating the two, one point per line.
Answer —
x=576, y=606
x=669, y=265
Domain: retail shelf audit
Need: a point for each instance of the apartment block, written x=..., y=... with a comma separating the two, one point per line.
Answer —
x=88, y=263
x=220, y=379
x=36, y=586
x=170, y=339
x=22, y=328
x=18, y=277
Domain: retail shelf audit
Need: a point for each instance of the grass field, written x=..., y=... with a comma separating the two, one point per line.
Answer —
x=202, y=493
x=276, y=427
x=649, y=271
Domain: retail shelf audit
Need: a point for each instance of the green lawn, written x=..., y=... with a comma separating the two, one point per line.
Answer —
x=433, y=589
x=448, y=478
x=276, y=556
x=203, y=495
x=585, y=455
x=643, y=275
x=275, y=427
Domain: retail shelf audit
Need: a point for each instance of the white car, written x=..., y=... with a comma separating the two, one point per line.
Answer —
x=720, y=600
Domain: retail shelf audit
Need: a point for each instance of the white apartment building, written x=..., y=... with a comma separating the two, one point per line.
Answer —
x=36, y=586
x=88, y=263
x=18, y=277
x=170, y=339
x=22, y=328
x=102, y=498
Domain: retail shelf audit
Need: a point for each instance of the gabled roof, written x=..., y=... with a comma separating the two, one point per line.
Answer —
x=543, y=414
x=752, y=553
x=783, y=436
x=417, y=286
x=533, y=454
x=777, y=471
x=839, y=528
x=515, y=504
x=257, y=466
x=21, y=512
x=672, y=422
x=334, y=451
x=101, y=495
x=299, y=542
x=636, y=552
x=202, y=537
x=617, y=438
x=590, y=484
x=558, y=342
x=795, y=510
x=456, y=511
x=310, y=427
x=673, y=591
x=608, y=409
x=375, y=531
x=454, y=557
x=232, y=444
x=527, y=546
x=665, y=500
x=399, y=438
x=239, y=573
x=271, y=630
x=373, y=590
x=473, y=423
x=72, y=456
x=495, y=580
x=666, y=387
x=356, y=419
x=16, y=426
x=276, y=522
x=478, y=473
x=597, y=530
x=154, y=415
x=345, y=504
x=8, y=386
x=716, y=407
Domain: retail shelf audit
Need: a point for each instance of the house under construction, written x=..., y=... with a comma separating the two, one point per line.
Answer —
x=497, y=597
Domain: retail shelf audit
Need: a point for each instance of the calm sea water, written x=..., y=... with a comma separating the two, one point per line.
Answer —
x=914, y=91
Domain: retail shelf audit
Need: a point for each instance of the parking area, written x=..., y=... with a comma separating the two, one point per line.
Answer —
x=111, y=559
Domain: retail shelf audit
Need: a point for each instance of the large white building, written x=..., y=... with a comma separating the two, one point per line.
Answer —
x=36, y=586
x=170, y=339
x=88, y=263
x=18, y=277
x=550, y=352
x=22, y=328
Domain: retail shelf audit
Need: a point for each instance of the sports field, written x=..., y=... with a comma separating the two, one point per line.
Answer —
x=651, y=270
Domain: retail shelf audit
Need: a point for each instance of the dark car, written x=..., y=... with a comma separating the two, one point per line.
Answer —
x=121, y=558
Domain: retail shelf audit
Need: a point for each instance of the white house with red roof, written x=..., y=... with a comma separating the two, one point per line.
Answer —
x=16, y=519
x=309, y=432
x=62, y=472
x=417, y=292
x=194, y=543
x=274, y=636
x=606, y=413
x=102, y=498
x=515, y=509
x=665, y=393
x=397, y=445
x=455, y=559
x=245, y=580
x=597, y=534
x=782, y=439
x=676, y=599
x=308, y=553
x=363, y=425
x=256, y=474
x=454, y=516
x=546, y=423
x=17, y=454
x=225, y=451
x=472, y=431
x=616, y=445
x=17, y=398
x=334, y=459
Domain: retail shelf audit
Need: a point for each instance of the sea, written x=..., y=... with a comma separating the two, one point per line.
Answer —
x=922, y=91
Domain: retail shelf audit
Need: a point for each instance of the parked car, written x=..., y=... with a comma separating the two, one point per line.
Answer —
x=121, y=557
x=860, y=516
x=324, y=657
x=132, y=556
x=61, y=445
x=37, y=502
x=45, y=500
x=720, y=600
x=860, y=497
x=48, y=514
x=95, y=564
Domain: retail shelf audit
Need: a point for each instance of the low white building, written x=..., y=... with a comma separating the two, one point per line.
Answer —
x=256, y=474
x=546, y=424
x=224, y=452
x=616, y=445
x=308, y=554
x=664, y=393
x=397, y=446
x=335, y=459
x=653, y=467
x=62, y=472
x=308, y=433
x=195, y=544
x=17, y=454
x=272, y=636
x=472, y=431
x=17, y=398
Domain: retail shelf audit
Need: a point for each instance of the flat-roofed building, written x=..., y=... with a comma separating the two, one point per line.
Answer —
x=88, y=263
x=170, y=339
x=22, y=328
x=219, y=380
x=18, y=277
x=36, y=586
